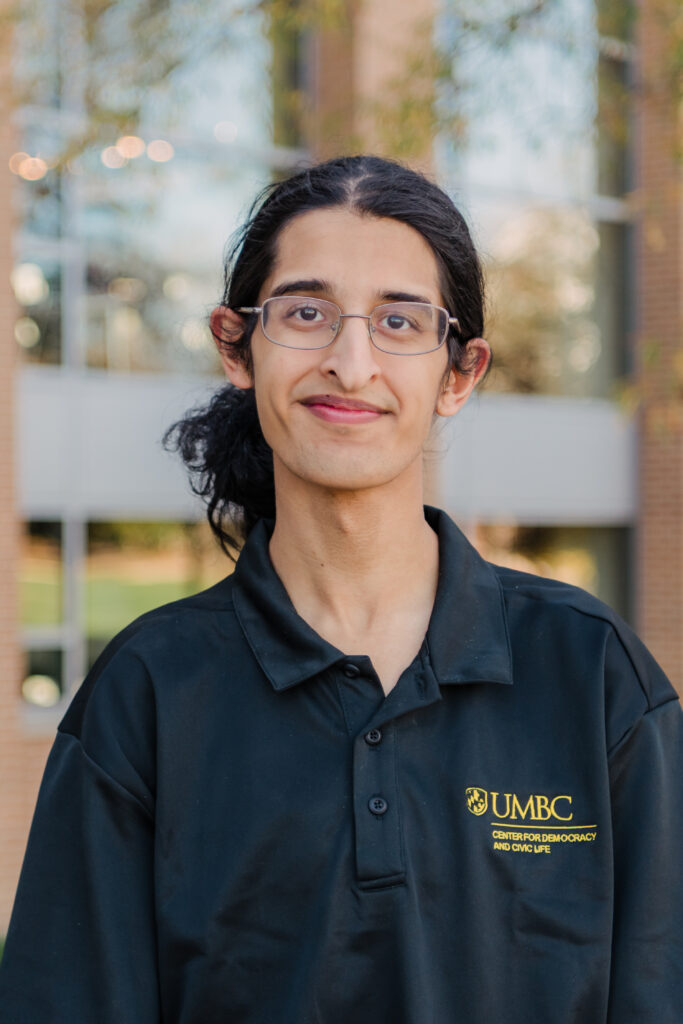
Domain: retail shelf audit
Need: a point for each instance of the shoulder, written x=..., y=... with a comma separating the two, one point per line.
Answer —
x=552, y=594
x=149, y=653
x=570, y=616
x=541, y=599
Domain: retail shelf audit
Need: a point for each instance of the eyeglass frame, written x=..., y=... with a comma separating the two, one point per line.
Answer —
x=348, y=316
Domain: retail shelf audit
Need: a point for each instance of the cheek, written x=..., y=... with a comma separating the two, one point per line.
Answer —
x=277, y=376
x=422, y=390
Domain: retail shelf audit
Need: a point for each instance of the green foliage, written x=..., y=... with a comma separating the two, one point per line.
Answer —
x=126, y=55
x=307, y=15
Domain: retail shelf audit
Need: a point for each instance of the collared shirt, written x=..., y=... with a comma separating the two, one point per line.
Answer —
x=237, y=825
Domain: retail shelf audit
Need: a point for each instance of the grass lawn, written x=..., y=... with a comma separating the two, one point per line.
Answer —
x=40, y=602
x=110, y=603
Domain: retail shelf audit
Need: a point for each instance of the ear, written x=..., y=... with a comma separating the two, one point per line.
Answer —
x=459, y=386
x=228, y=326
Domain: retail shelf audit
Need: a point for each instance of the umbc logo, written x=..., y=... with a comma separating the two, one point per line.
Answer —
x=477, y=800
x=533, y=807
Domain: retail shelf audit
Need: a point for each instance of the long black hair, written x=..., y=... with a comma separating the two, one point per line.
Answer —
x=221, y=443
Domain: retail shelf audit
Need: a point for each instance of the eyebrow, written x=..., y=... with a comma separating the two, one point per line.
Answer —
x=315, y=284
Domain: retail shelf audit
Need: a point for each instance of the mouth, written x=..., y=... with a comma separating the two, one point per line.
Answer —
x=335, y=409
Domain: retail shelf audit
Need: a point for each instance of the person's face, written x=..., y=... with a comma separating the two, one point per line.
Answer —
x=349, y=417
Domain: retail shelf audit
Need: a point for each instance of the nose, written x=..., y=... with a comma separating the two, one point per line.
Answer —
x=351, y=358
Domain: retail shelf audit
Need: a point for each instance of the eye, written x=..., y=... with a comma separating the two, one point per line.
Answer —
x=307, y=313
x=396, y=322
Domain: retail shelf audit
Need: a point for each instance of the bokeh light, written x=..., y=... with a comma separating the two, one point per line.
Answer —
x=26, y=332
x=16, y=160
x=129, y=289
x=176, y=287
x=41, y=690
x=29, y=284
x=195, y=335
x=32, y=168
x=160, y=151
x=111, y=157
x=225, y=131
x=130, y=146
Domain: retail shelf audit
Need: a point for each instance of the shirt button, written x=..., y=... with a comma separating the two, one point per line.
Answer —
x=378, y=805
x=351, y=671
x=373, y=737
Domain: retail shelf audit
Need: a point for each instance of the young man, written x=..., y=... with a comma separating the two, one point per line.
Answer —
x=368, y=777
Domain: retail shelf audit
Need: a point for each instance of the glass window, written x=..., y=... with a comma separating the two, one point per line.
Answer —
x=42, y=684
x=524, y=97
x=37, y=285
x=147, y=316
x=613, y=121
x=542, y=96
x=133, y=567
x=595, y=558
x=39, y=192
x=153, y=211
x=612, y=307
x=557, y=310
x=38, y=36
x=155, y=238
x=39, y=196
x=288, y=79
x=41, y=574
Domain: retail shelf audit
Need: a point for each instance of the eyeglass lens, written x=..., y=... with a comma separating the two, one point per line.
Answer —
x=399, y=327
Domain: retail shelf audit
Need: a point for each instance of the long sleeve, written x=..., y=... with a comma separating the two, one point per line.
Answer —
x=646, y=777
x=81, y=947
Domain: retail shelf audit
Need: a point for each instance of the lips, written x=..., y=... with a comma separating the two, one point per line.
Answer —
x=335, y=409
x=336, y=402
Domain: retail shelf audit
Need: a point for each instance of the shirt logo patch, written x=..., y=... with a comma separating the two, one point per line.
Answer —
x=477, y=800
x=529, y=822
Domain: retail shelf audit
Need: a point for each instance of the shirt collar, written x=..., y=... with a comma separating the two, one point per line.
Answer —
x=467, y=635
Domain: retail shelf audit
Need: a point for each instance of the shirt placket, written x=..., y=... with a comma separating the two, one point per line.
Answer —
x=372, y=721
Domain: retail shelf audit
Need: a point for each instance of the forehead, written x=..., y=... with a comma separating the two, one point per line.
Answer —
x=356, y=253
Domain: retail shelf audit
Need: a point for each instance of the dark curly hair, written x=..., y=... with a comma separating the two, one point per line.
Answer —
x=221, y=443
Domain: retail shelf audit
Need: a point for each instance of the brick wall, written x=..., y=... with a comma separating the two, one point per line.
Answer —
x=659, y=263
x=371, y=84
x=21, y=757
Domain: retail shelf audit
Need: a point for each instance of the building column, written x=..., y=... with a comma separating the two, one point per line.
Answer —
x=659, y=353
x=12, y=825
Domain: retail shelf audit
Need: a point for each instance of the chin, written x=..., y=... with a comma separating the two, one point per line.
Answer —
x=345, y=474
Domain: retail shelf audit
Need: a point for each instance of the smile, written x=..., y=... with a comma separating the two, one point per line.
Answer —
x=342, y=410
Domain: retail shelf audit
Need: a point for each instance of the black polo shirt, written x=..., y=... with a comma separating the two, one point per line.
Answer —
x=236, y=825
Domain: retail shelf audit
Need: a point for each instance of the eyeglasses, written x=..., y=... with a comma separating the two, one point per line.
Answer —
x=401, y=328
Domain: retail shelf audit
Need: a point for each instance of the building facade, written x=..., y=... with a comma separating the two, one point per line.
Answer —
x=569, y=176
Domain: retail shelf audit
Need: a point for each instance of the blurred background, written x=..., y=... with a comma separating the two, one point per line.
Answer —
x=134, y=135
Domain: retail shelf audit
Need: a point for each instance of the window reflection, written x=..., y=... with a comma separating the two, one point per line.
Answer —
x=39, y=73
x=133, y=567
x=545, y=139
x=37, y=286
x=143, y=316
x=593, y=558
x=613, y=122
x=525, y=95
x=42, y=684
x=39, y=200
x=557, y=291
x=40, y=574
x=154, y=235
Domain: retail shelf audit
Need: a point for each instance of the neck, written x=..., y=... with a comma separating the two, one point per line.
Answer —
x=355, y=564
